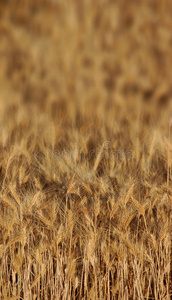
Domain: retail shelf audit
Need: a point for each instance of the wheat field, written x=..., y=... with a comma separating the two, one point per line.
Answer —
x=85, y=150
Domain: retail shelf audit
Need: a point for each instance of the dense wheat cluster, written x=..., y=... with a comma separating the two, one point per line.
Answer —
x=85, y=149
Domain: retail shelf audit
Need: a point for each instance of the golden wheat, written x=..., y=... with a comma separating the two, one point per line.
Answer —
x=85, y=150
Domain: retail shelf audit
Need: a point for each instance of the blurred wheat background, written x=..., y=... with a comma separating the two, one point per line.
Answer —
x=85, y=149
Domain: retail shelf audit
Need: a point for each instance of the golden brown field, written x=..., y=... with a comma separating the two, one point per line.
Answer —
x=85, y=149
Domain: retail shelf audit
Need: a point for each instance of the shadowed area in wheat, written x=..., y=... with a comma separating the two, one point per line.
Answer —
x=85, y=149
